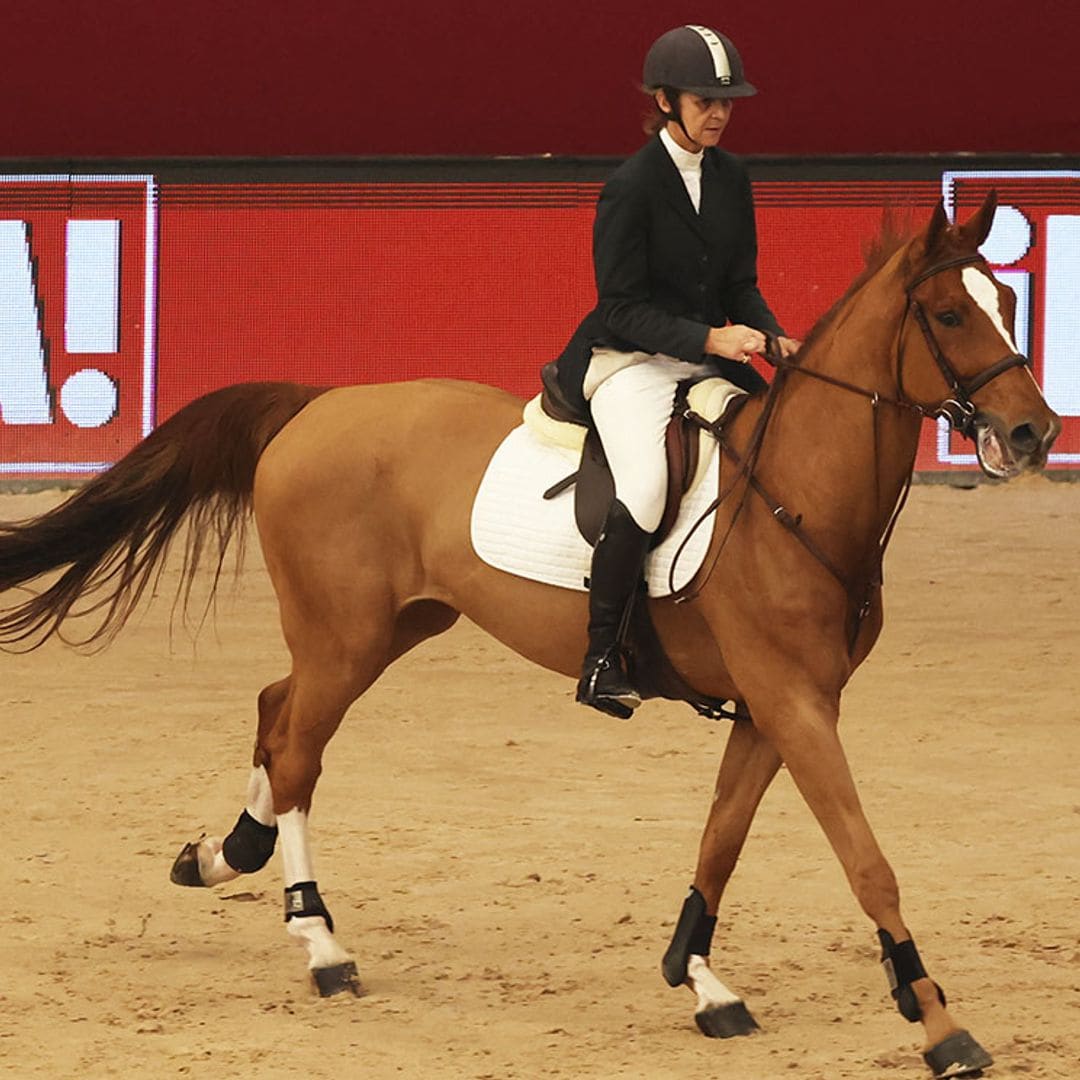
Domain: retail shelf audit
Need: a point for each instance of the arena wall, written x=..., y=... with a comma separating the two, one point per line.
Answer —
x=486, y=77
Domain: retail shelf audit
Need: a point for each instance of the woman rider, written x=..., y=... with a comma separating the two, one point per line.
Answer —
x=675, y=256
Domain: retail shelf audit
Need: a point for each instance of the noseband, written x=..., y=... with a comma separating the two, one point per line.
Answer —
x=958, y=409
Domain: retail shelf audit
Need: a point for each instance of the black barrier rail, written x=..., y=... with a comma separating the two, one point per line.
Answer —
x=538, y=169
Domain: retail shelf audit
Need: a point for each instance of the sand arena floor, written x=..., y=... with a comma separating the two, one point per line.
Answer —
x=506, y=867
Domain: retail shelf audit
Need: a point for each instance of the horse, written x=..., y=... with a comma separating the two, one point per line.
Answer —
x=361, y=499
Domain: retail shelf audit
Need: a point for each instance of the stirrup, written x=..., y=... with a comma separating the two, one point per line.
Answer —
x=620, y=701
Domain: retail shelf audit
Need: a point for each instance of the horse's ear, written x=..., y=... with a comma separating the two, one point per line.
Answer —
x=977, y=227
x=939, y=222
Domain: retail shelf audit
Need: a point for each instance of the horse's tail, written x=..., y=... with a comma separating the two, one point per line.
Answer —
x=113, y=534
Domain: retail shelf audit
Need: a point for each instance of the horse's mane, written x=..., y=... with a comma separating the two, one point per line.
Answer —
x=896, y=229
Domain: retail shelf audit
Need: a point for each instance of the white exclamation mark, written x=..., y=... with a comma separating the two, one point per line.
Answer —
x=89, y=398
x=24, y=386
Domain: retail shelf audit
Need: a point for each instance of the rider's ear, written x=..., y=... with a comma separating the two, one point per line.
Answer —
x=977, y=227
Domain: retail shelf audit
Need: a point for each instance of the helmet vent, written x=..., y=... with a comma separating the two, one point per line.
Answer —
x=721, y=64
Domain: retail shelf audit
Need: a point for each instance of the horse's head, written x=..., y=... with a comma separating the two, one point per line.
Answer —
x=964, y=363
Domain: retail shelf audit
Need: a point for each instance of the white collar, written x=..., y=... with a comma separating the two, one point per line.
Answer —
x=685, y=160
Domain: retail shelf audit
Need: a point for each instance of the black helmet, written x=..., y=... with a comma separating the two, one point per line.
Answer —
x=697, y=60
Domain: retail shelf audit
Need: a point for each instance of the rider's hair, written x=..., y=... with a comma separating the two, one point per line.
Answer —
x=655, y=119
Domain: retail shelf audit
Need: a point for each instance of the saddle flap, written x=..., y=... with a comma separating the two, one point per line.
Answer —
x=714, y=399
x=594, y=490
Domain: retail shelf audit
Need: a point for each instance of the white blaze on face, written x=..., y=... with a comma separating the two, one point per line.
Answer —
x=983, y=290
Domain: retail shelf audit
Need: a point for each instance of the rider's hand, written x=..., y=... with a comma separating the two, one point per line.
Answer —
x=735, y=342
x=788, y=347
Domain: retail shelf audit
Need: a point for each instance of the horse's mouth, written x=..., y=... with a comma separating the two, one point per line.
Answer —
x=996, y=457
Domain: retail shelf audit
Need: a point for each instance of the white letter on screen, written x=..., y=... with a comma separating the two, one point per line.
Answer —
x=24, y=388
x=1061, y=358
x=92, y=291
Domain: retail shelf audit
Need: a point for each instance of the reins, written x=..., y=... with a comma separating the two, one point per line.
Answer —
x=959, y=410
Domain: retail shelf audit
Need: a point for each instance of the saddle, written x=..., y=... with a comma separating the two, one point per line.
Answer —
x=594, y=486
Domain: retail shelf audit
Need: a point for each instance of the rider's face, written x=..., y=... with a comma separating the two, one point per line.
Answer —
x=704, y=119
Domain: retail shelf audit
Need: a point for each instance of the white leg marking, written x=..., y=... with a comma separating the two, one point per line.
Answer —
x=213, y=869
x=310, y=931
x=295, y=849
x=260, y=799
x=711, y=992
x=984, y=291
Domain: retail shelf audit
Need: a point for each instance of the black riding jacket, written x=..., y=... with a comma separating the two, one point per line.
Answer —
x=666, y=273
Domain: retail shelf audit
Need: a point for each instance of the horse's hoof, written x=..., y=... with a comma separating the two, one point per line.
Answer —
x=185, y=871
x=339, y=979
x=724, y=1021
x=958, y=1055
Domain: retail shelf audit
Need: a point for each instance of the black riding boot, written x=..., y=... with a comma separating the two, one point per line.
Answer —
x=616, y=570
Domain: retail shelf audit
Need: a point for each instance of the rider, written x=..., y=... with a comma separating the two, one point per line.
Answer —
x=675, y=253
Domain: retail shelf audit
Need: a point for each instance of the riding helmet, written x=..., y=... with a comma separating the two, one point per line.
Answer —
x=697, y=60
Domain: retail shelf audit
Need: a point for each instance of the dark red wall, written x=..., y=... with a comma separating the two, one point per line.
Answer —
x=483, y=77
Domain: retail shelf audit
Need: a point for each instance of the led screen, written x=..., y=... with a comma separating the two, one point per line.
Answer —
x=123, y=297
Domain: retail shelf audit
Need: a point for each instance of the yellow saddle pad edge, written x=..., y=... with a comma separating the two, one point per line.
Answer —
x=708, y=398
x=555, y=432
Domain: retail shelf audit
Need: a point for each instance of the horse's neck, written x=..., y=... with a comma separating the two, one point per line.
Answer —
x=845, y=467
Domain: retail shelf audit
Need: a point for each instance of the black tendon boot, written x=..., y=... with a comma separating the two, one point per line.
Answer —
x=616, y=570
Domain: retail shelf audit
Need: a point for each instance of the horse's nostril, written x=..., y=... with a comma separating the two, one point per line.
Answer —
x=1024, y=438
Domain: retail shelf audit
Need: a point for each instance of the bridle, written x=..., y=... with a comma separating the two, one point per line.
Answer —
x=958, y=409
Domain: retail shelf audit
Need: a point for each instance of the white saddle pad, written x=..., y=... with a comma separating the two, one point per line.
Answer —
x=517, y=530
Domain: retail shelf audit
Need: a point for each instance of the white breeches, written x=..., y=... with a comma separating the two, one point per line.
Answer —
x=631, y=396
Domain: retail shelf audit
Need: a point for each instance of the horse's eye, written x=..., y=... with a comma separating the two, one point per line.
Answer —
x=948, y=318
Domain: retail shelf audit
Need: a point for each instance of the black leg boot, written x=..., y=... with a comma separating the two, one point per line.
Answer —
x=616, y=570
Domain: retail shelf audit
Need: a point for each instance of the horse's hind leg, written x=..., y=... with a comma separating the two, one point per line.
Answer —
x=212, y=860
x=291, y=750
x=328, y=676
x=298, y=716
x=748, y=767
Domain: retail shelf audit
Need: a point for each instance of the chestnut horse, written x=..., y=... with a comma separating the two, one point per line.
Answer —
x=362, y=500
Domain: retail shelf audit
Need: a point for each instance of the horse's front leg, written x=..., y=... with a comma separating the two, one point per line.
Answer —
x=748, y=767
x=803, y=728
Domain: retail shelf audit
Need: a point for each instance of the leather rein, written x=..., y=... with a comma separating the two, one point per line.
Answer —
x=958, y=409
